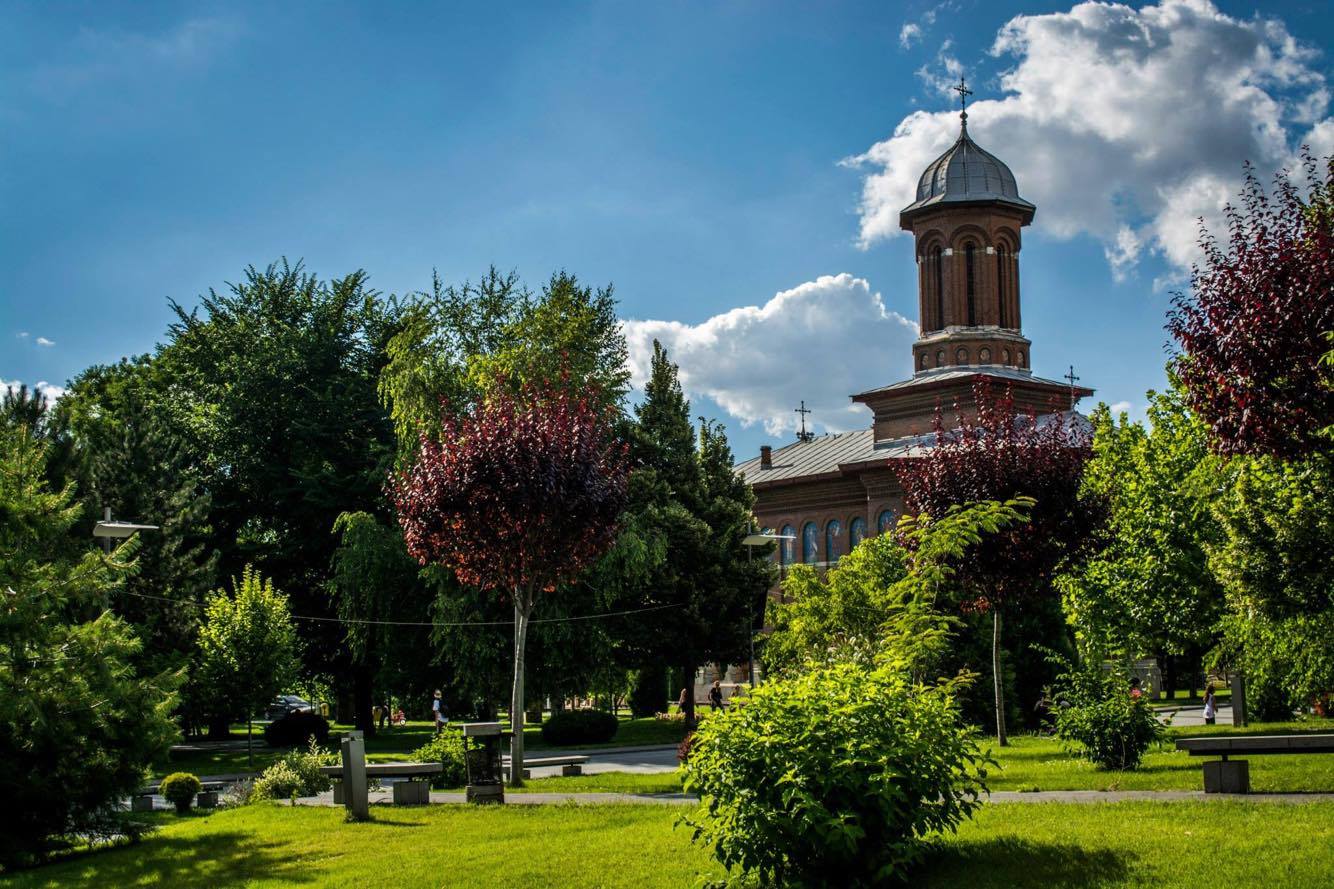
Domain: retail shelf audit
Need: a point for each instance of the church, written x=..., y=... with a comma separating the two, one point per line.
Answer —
x=828, y=493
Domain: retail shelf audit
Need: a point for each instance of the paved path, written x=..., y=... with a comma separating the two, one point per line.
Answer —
x=1193, y=714
x=638, y=760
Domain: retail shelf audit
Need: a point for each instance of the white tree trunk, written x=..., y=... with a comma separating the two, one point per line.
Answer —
x=521, y=609
x=1001, y=738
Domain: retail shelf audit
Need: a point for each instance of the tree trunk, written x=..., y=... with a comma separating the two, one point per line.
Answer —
x=516, y=694
x=999, y=683
x=249, y=743
x=688, y=683
x=363, y=702
x=218, y=728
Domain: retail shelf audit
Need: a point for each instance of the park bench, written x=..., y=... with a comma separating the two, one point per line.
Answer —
x=414, y=791
x=1233, y=775
x=207, y=798
x=570, y=765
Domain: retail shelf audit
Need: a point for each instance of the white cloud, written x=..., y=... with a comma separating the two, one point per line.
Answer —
x=1121, y=407
x=1125, y=124
x=23, y=334
x=820, y=341
x=941, y=75
x=50, y=390
x=909, y=34
x=43, y=341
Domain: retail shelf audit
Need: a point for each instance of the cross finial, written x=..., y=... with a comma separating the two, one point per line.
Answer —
x=1072, y=378
x=964, y=92
x=803, y=435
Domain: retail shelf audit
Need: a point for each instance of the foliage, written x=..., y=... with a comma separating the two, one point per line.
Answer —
x=21, y=407
x=297, y=774
x=446, y=748
x=1252, y=328
x=574, y=727
x=1147, y=587
x=1098, y=716
x=1273, y=562
x=79, y=725
x=247, y=647
x=299, y=727
x=278, y=781
x=833, y=777
x=516, y=497
x=180, y=788
x=649, y=694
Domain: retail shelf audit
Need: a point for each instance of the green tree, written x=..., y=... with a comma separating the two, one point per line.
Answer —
x=247, y=649
x=78, y=724
x=1147, y=588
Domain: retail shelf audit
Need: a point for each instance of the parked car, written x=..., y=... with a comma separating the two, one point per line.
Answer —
x=284, y=704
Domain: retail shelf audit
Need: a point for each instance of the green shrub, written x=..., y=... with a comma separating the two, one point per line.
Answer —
x=833, y=777
x=446, y=749
x=1099, y=719
x=573, y=727
x=649, y=696
x=180, y=788
x=296, y=774
x=297, y=729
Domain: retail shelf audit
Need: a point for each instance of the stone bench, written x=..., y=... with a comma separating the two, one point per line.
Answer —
x=1233, y=775
x=570, y=765
x=207, y=798
x=414, y=791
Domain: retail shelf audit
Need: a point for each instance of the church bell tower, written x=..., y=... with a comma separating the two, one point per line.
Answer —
x=966, y=223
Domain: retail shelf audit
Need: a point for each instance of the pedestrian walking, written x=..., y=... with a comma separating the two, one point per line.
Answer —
x=1210, y=707
x=438, y=709
x=716, y=695
x=683, y=700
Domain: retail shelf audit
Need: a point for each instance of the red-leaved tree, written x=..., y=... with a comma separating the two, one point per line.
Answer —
x=1252, y=329
x=518, y=495
x=1001, y=455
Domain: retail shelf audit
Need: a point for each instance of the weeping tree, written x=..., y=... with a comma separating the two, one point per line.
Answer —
x=1002, y=454
x=517, y=496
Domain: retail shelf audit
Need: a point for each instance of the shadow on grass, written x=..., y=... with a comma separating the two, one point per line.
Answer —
x=1016, y=863
x=198, y=862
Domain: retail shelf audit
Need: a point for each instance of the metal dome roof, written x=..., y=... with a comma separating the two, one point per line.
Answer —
x=966, y=174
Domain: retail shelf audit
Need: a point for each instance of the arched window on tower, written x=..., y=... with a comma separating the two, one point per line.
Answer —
x=810, y=541
x=961, y=357
x=984, y=355
x=940, y=358
x=833, y=541
x=938, y=283
x=1002, y=276
x=787, y=549
x=1005, y=357
x=856, y=532
x=885, y=521
x=970, y=276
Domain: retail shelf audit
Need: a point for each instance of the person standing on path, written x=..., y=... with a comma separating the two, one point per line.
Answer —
x=438, y=709
x=1210, y=708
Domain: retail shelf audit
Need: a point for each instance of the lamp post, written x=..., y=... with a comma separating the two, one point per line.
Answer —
x=762, y=538
x=109, y=530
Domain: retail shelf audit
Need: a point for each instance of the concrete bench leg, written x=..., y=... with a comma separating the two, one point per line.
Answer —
x=340, y=795
x=141, y=804
x=1233, y=776
x=207, y=799
x=412, y=793
x=571, y=771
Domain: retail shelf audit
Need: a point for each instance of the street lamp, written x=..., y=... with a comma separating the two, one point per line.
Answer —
x=109, y=530
x=750, y=541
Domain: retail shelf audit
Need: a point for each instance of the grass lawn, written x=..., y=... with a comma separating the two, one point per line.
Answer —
x=1165, y=845
x=603, y=782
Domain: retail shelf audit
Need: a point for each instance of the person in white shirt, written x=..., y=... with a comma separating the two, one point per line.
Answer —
x=1210, y=710
x=438, y=709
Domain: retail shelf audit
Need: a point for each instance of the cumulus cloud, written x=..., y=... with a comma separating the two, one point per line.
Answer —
x=820, y=341
x=22, y=334
x=1121, y=407
x=910, y=33
x=1124, y=124
x=43, y=341
x=50, y=390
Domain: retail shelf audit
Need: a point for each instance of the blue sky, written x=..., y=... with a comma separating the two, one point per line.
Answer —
x=704, y=157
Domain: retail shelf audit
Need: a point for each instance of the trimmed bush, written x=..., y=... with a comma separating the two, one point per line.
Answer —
x=296, y=729
x=573, y=727
x=279, y=781
x=296, y=774
x=1101, y=721
x=180, y=789
x=649, y=696
x=446, y=749
x=833, y=777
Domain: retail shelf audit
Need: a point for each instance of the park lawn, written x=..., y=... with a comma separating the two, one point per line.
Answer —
x=1040, y=763
x=604, y=782
x=1050, y=845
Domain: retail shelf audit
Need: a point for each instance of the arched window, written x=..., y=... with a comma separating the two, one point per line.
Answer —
x=885, y=521
x=940, y=358
x=1002, y=273
x=970, y=277
x=787, y=549
x=984, y=355
x=856, y=532
x=938, y=282
x=1019, y=358
x=961, y=356
x=923, y=361
x=1005, y=356
x=833, y=541
x=810, y=541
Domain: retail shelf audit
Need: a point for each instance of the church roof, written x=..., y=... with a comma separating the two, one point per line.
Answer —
x=968, y=372
x=966, y=173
